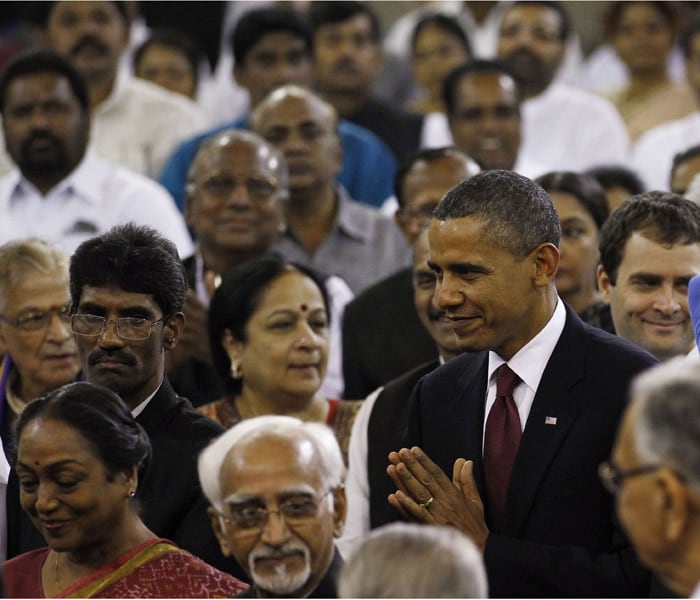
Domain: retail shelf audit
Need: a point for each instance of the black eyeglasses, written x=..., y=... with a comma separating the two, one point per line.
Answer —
x=253, y=516
x=128, y=328
x=33, y=319
x=219, y=188
x=612, y=476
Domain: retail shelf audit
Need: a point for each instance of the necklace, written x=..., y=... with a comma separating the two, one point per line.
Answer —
x=58, y=578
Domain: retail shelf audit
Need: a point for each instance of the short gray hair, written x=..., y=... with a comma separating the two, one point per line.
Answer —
x=321, y=436
x=433, y=562
x=667, y=428
x=23, y=259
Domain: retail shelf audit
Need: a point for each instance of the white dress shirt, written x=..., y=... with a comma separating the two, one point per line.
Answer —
x=95, y=197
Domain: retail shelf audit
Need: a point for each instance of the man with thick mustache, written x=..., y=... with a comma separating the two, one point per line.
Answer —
x=135, y=123
x=564, y=128
x=61, y=191
x=127, y=292
x=275, y=484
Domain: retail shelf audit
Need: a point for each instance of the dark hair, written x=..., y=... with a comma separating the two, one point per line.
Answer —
x=239, y=296
x=326, y=12
x=175, y=39
x=32, y=62
x=557, y=7
x=256, y=24
x=455, y=76
x=518, y=213
x=101, y=417
x=665, y=217
x=668, y=11
x=683, y=156
x=428, y=155
x=617, y=176
x=686, y=37
x=134, y=258
x=446, y=23
x=42, y=11
x=584, y=188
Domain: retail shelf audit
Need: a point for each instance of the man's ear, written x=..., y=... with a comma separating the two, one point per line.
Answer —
x=217, y=524
x=340, y=510
x=604, y=284
x=172, y=330
x=676, y=506
x=546, y=263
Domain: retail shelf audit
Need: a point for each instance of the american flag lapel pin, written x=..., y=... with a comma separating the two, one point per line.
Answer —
x=550, y=420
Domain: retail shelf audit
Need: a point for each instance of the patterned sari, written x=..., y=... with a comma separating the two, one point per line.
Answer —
x=155, y=569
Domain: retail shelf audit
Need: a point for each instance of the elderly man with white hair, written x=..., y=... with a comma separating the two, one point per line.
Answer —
x=275, y=485
x=654, y=472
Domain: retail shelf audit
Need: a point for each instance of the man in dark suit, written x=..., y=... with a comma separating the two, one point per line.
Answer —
x=522, y=425
x=127, y=292
x=382, y=335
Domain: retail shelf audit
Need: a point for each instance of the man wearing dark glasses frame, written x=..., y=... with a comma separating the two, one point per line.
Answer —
x=654, y=473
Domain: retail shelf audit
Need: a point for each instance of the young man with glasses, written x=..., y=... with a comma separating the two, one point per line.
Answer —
x=127, y=292
x=654, y=473
x=275, y=484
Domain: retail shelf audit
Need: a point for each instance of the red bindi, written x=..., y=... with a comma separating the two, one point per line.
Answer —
x=303, y=308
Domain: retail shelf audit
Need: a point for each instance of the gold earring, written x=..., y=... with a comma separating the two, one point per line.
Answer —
x=236, y=370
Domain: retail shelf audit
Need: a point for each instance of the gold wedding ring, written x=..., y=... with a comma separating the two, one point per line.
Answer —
x=427, y=503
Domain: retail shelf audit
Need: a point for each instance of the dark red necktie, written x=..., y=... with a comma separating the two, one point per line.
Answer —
x=501, y=440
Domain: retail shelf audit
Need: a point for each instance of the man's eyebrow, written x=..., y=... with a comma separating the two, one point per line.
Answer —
x=467, y=268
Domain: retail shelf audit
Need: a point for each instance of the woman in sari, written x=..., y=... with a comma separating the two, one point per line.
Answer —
x=268, y=330
x=80, y=457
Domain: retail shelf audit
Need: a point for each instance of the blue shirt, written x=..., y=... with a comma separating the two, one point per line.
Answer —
x=368, y=164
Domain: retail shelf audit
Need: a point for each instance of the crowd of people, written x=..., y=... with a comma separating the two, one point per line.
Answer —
x=336, y=312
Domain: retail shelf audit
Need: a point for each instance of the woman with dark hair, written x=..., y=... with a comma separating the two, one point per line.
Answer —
x=268, y=331
x=438, y=44
x=582, y=207
x=80, y=458
x=643, y=35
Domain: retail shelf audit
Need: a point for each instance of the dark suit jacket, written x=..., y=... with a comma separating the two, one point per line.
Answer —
x=383, y=336
x=558, y=536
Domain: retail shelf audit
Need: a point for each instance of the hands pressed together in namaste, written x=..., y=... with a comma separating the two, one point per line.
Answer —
x=425, y=494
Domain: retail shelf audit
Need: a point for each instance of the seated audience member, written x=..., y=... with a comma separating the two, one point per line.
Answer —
x=171, y=59
x=81, y=458
x=654, y=473
x=519, y=480
x=347, y=58
x=127, y=293
x=564, y=128
x=282, y=465
x=483, y=103
x=653, y=153
x=686, y=165
x=382, y=335
x=438, y=44
x=643, y=34
x=234, y=224
x=649, y=251
x=405, y=560
x=40, y=352
x=272, y=47
x=582, y=208
x=326, y=229
x=618, y=182
x=268, y=330
x=135, y=123
x=61, y=191
x=381, y=421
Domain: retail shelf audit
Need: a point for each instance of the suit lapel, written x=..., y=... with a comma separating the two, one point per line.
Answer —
x=553, y=412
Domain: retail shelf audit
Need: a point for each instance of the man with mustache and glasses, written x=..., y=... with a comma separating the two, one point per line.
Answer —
x=383, y=337
x=127, y=292
x=135, y=123
x=564, y=128
x=649, y=251
x=275, y=484
x=382, y=419
x=61, y=191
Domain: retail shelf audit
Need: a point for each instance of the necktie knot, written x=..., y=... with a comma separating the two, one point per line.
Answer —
x=506, y=380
